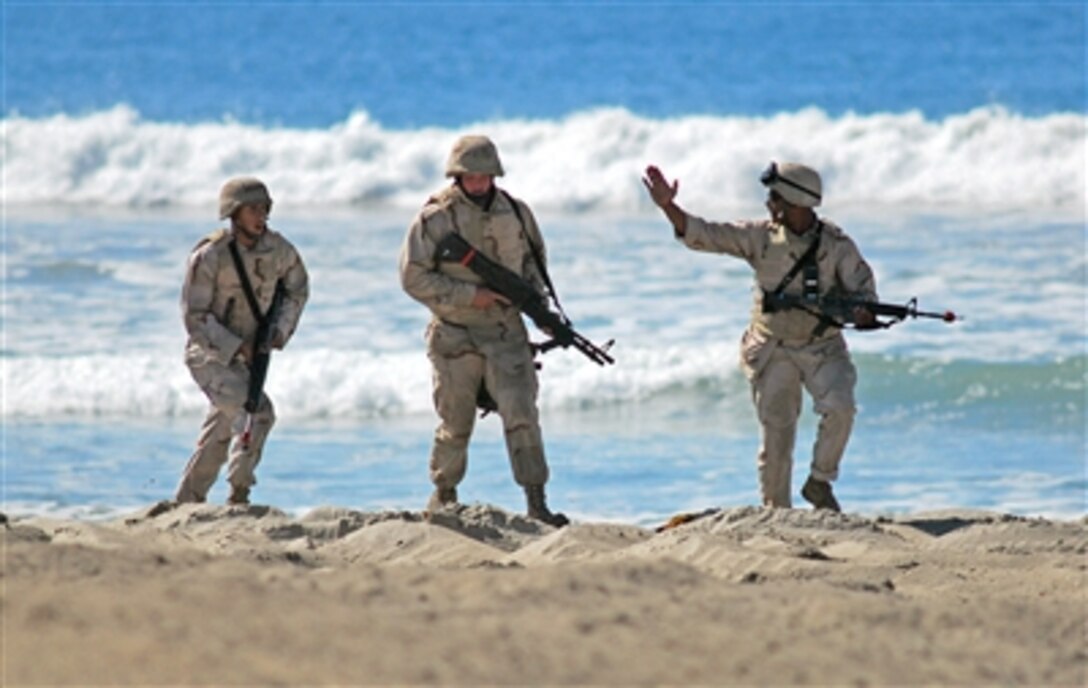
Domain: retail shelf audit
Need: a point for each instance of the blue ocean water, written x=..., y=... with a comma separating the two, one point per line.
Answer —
x=951, y=138
x=412, y=65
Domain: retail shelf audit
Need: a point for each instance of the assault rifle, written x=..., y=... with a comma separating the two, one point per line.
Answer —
x=838, y=312
x=454, y=248
x=262, y=354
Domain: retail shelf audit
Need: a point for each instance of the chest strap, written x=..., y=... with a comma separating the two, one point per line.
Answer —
x=810, y=286
x=807, y=263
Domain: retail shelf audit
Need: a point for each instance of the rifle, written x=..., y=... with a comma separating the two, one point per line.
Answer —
x=454, y=248
x=262, y=354
x=838, y=312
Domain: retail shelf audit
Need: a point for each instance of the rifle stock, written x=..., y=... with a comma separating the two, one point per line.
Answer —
x=454, y=248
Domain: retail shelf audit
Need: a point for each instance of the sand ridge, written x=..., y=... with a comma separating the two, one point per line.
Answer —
x=212, y=595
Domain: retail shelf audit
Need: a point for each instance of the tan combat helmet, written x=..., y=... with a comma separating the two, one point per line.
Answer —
x=242, y=191
x=796, y=184
x=474, y=154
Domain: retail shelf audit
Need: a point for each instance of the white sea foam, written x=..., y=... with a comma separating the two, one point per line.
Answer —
x=91, y=325
x=591, y=160
x=343, y=385
x=325, y=384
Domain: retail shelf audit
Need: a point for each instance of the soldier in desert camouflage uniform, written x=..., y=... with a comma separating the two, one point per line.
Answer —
x=785, y=350
x=222, y=327
x=475, y=336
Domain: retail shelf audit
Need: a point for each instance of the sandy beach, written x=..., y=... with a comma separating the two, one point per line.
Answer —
x=213, y=595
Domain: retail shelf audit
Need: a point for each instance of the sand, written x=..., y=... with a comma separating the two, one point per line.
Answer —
x=212, y=595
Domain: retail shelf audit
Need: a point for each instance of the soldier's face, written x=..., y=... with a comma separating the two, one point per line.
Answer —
x=476, y=184
x=252, y=218
x=776, y=207
x=797, y=218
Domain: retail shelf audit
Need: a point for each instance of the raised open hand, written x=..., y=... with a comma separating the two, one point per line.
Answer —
x=660, y=190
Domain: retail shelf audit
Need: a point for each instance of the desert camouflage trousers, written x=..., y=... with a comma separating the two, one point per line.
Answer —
x=778, y=372
x=220, y=437
x=499, y=356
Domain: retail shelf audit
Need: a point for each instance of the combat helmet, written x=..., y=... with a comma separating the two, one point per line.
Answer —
x=241, y=191
x=474, y=154
x=795, y=183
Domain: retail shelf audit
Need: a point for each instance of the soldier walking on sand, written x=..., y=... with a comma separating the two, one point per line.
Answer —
x=477, y=342
x=228, y=289
x=798, y=254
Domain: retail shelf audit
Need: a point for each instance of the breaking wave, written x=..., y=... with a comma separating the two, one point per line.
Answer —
x=588, y=161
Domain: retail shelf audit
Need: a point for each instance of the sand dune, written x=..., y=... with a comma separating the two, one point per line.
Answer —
x=209, y=595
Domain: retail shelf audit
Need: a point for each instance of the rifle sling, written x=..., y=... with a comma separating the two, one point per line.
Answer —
x=537, y=258
x=808, y=255
x=243, y=277
x=807, y=262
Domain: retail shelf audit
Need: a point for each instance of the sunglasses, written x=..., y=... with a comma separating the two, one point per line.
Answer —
x=770, y=176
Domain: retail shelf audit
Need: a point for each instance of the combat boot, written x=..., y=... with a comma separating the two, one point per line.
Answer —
x=238, y=495
x=819, y=494
x=538, y=507
x=442, y=497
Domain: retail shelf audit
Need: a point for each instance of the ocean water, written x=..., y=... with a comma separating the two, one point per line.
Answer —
x=951, y=138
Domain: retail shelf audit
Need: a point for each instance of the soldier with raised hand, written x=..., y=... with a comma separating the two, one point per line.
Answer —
x=229, y=287
x=476, y=341
x=798, y=254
